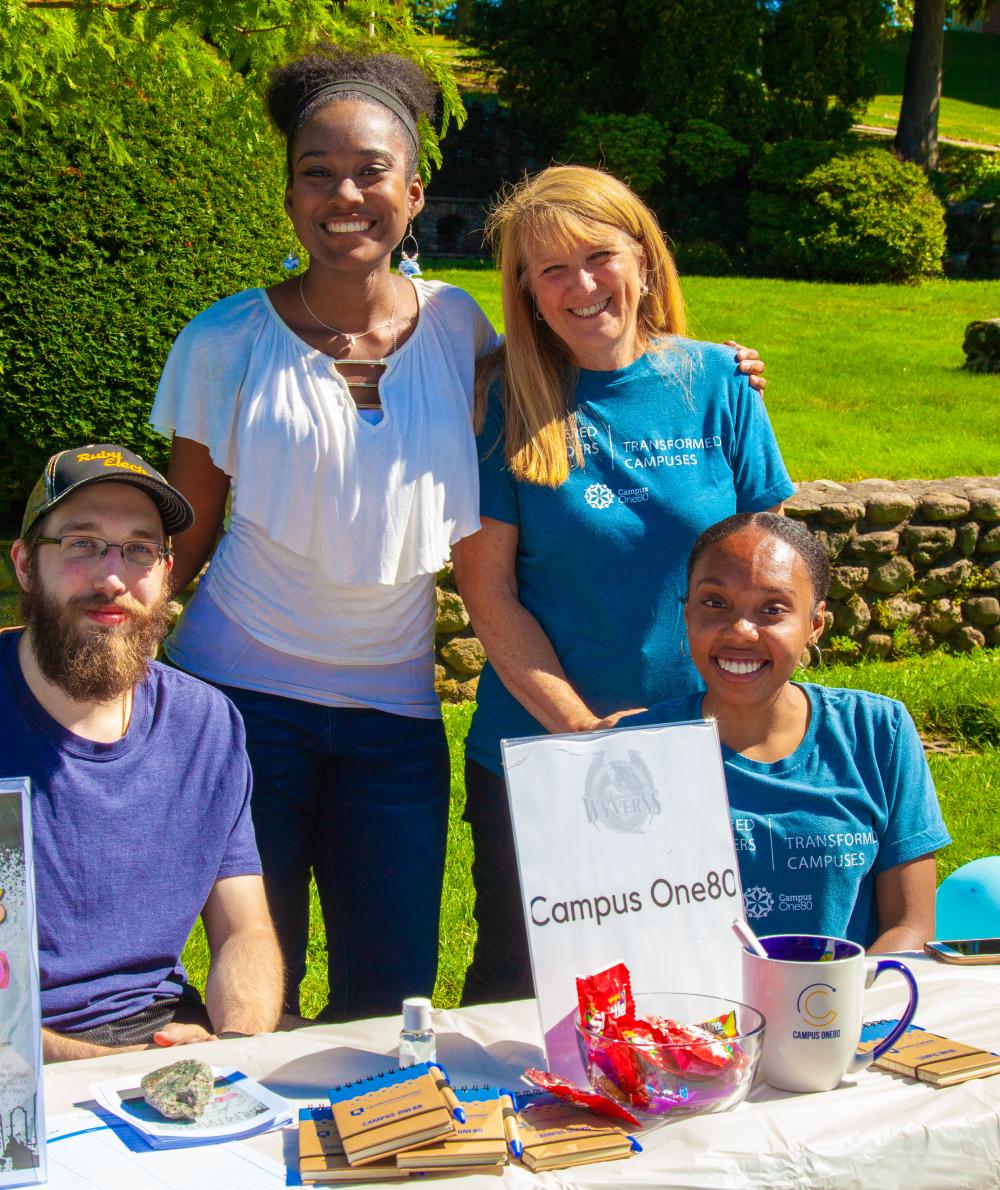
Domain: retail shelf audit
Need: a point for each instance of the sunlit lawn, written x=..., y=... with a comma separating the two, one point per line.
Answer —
x=866, y=379
x=970, y=100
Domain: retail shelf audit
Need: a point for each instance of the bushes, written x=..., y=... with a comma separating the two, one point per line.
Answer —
x=102, y=264
x=630, y=147
x=823, y=211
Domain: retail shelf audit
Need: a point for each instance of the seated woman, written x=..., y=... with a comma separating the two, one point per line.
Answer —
x=834, y=812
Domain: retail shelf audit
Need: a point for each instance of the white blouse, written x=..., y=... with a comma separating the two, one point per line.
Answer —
x=338, y=525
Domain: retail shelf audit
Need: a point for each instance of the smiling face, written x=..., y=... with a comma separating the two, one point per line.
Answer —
x=750, y=613
x=588, y=293
x=351, y=193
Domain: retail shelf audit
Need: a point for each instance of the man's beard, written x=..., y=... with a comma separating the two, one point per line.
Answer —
x=96, y=664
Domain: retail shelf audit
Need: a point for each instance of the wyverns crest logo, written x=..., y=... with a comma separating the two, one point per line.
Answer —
x=599, y=495
x=620, y=794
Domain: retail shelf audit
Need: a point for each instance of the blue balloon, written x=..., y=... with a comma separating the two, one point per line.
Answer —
x=968, y=901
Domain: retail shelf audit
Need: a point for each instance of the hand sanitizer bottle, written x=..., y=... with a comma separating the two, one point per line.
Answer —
x=416, y=1039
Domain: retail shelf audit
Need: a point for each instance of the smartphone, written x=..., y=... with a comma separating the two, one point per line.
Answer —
x=965, y=950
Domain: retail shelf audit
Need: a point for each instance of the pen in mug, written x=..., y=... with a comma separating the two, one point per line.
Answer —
x=510, y=1128
x=444, y=1086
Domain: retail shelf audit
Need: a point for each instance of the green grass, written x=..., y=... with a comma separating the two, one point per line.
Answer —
x=950, y=698
x=970, y=99
x=866, y=380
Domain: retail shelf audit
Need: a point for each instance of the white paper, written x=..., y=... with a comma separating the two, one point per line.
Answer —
x=86, y=1154
x=625, y=852
x=239, y=1107
x=22, y=1149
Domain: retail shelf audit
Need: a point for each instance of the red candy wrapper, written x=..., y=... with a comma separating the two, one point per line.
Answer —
x=591, y=1100
x=604, y=997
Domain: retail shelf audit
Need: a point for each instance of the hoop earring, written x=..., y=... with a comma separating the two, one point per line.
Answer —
x=408, y=264
x=540, y=317
x=683, y=646
x=291, y=261
x=815, y=655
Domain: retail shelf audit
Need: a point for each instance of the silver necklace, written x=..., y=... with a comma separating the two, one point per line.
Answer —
x=352, y=338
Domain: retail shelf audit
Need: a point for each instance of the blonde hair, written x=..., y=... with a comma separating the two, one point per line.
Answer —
x=562, y=206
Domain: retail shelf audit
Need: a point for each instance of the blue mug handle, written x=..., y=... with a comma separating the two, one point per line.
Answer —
x=865, y=1057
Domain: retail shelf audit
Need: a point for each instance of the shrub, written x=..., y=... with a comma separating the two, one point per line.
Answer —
x=631, y=147
x=101, y=264
x=703, y=258
x=826, y=212
x=965, y=174
x=707, y=152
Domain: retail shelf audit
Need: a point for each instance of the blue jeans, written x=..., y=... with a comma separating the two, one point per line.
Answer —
x=360, y=798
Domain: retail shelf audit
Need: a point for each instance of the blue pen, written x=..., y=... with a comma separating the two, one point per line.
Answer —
x=636, y=1147
x=510, y=1128
x=444, y=1086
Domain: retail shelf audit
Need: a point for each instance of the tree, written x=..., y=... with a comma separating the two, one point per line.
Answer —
x=760, y=69
x=916, y=133
x=48, y=46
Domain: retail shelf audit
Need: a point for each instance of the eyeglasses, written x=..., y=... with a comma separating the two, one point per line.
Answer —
x=143, y=555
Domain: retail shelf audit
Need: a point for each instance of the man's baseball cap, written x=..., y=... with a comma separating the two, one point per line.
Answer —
x=70, y=470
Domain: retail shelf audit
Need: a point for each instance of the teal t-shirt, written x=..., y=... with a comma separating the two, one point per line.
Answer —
x=673, y=443
x=813, y=830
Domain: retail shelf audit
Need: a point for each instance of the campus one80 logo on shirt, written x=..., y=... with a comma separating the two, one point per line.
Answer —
x=599, y=495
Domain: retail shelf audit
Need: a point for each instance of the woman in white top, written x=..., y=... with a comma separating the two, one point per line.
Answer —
x=336, y=408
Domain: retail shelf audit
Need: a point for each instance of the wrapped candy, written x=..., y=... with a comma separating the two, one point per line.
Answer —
x=591, y=1100
x=604, y=996
x=648, y=1063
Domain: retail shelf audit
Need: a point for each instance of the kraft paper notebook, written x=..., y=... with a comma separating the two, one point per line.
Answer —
x=930, y=1057
x=321, y=1155
x=396, y=1110
x=479, y=1142
x=558, y=1135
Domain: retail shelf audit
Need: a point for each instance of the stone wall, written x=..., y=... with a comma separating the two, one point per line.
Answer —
x=916, y=566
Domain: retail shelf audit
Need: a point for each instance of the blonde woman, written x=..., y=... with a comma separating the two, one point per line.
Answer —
x=608, y=442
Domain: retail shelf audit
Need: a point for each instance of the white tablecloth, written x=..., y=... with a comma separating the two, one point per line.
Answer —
x=876, y=1130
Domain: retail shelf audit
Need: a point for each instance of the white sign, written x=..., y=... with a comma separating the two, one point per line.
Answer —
x=625, y=852
x=22, y=1119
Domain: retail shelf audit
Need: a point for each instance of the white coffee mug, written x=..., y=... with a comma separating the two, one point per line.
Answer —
x=811, y=992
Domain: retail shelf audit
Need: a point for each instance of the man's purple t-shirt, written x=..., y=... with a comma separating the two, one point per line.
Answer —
x=128, y=837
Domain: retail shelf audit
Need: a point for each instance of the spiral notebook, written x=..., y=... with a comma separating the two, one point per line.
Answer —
x=321, y=1154
x=392, y=1111
x=479, y=1144
x=559, y=1135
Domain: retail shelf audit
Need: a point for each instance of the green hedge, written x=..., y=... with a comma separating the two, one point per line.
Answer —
x=828, y=212
x=102, y=264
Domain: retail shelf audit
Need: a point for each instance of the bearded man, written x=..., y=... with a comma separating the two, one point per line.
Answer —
x=140, y=783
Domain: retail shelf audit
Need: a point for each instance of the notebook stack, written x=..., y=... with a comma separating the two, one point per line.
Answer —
x=370, y=1121
x=411, y=1121
x=559, y=1135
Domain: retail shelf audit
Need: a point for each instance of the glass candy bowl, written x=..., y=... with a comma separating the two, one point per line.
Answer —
x=658, y=1082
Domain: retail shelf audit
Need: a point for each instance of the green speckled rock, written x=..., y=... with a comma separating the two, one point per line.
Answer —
x=181, y=1091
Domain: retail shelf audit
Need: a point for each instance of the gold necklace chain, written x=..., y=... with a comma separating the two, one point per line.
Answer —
x=351, y=338
x=125, y=716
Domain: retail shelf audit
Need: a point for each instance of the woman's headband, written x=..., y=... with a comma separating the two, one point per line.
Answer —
x=372, y=90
